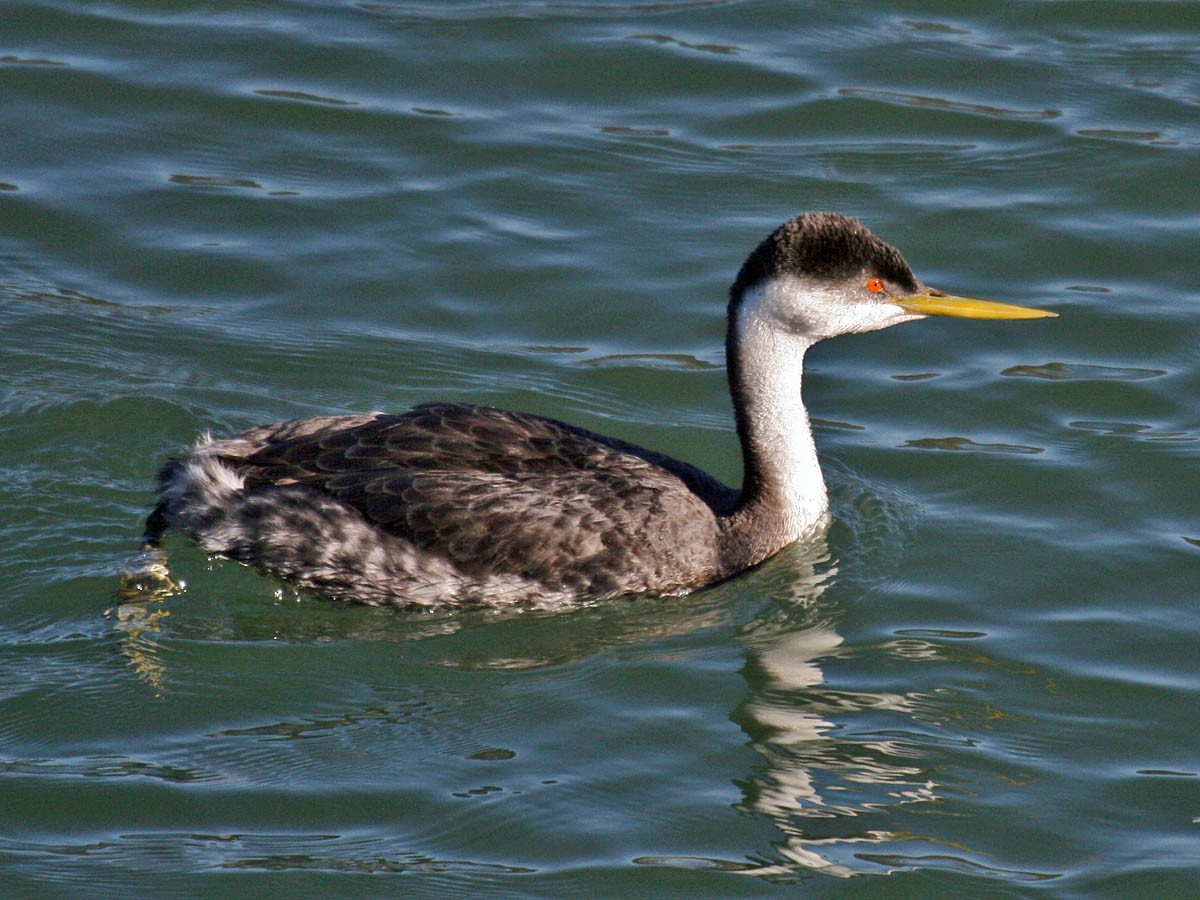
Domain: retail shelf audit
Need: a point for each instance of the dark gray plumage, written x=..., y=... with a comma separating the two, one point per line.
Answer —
x=458, y=505
x=498, y=507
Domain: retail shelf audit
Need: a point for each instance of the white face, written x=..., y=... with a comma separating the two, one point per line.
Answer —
x=818, y=309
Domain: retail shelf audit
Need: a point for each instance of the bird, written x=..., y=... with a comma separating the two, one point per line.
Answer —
x=455, y=506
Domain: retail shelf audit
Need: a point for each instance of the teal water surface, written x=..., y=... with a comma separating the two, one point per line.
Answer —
x=985, y=684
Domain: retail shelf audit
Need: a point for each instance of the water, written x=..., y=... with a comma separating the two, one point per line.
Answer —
x=986, y=685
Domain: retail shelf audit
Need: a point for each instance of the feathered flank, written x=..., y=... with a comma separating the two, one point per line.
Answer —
x=450, y=503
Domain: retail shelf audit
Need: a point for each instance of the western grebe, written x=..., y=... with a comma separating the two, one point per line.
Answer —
x=455, y=505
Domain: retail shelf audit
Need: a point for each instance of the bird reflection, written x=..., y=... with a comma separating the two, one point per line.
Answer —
x=139, y=614
x=818, y=785
x=832, y=771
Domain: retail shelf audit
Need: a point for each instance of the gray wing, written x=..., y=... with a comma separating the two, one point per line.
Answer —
x=496, y=491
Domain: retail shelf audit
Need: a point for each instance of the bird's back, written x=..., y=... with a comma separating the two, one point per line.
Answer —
x=499, y=506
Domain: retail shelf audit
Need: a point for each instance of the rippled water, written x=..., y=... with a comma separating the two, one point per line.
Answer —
x=219, y=214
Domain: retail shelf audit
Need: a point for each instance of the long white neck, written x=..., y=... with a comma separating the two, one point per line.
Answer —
x=783, y=490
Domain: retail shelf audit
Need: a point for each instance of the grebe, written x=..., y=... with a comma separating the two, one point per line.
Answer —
x=452, y=505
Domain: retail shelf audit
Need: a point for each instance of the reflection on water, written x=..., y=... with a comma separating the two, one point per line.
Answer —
x=138, y=617
x=835, y=765
x=819, y=784
x=816, y=784
x=815, y=781
x=140, y=624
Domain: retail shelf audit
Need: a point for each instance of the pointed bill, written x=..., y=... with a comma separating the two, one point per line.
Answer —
x=935, y=303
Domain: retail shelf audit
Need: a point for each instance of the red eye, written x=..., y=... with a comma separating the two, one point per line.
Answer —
x=875, y=285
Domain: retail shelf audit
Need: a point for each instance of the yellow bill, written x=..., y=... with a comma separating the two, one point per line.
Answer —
x=935, y=303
